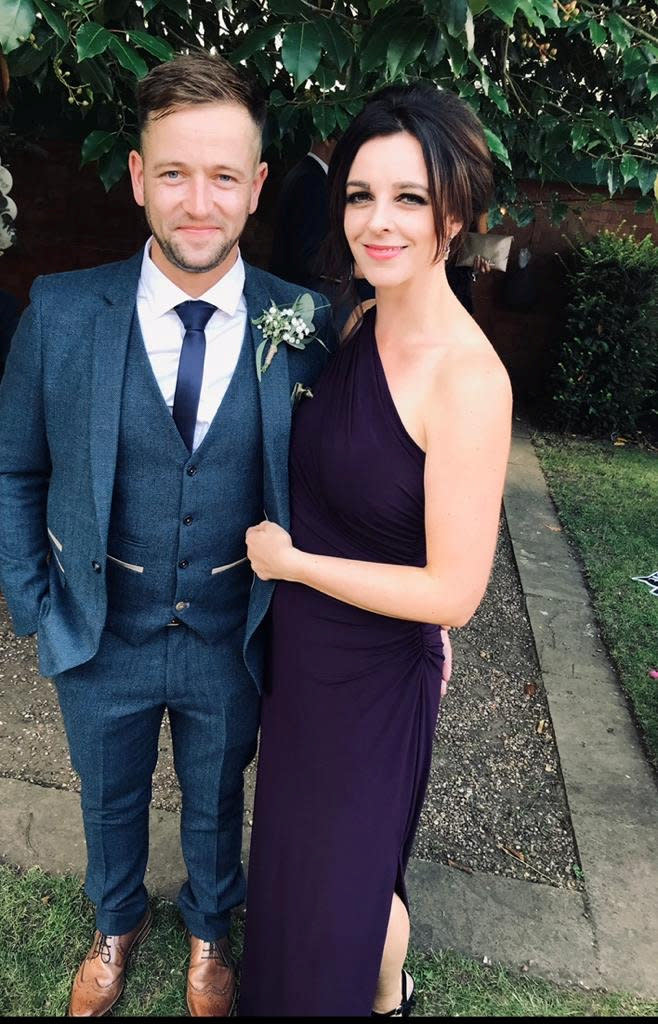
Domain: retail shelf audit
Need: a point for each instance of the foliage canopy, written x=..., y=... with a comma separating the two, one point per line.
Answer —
x=566, y=90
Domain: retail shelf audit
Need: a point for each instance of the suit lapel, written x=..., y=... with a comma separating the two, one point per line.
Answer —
x=274, y=394
x=111, y=333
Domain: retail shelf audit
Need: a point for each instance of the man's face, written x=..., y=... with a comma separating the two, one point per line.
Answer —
x=198, y=178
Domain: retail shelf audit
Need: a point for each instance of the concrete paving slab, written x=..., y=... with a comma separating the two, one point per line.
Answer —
x=567, y=638
x=509, y=921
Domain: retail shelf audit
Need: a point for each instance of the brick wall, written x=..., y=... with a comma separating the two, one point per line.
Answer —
x=66, y=221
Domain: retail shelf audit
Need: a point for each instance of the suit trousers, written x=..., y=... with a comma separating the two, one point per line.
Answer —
x=112, y=708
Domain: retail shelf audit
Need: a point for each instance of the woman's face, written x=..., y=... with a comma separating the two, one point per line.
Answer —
x=388, y=221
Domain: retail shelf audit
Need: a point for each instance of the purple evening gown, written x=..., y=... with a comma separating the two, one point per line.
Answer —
x=349, y=711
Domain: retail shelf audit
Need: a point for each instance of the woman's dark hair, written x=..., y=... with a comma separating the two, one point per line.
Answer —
x=457, y=158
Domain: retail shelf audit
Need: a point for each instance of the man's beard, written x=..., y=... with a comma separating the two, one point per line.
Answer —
x=174, y=254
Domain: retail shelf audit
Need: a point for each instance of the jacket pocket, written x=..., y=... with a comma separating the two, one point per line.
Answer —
x=231, y=565
x=126, y=565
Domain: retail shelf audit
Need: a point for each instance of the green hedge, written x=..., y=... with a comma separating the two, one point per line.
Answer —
x=606, y=376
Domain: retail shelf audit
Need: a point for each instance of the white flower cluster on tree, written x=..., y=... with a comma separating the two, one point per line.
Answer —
x=8, y=211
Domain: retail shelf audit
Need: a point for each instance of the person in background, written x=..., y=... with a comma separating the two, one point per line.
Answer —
x=461, y=279
x=302, y=219
x=9, y=315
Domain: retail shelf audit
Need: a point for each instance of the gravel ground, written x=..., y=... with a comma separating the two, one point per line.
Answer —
x=495, y=799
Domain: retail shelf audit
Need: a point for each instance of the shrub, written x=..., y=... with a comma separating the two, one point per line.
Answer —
x=607, y=362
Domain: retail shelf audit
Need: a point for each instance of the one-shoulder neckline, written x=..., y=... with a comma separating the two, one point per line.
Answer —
x=387, y=396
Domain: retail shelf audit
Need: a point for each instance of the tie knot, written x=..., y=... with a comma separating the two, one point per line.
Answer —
x=195, y=314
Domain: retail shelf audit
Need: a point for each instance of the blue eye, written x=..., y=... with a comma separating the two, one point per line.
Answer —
x=171, y=175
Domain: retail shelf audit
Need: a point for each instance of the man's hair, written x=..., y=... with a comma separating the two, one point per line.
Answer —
x=196, y=78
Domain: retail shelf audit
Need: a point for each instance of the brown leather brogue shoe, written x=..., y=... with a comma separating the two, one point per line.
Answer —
x=211, y=985
x=102, y=974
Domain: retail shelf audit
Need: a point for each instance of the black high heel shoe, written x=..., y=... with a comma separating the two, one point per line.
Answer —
x=408, y=999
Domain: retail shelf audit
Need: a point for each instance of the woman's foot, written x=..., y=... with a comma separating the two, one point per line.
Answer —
x=403, y=1009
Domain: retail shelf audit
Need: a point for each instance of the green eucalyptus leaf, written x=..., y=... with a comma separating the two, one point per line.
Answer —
x=128, y=57
x=17, y=18
x=305, y=307
x=159, y=48
x=54, y=19
x=91, y=40
x=301, y=51
x=259, y=359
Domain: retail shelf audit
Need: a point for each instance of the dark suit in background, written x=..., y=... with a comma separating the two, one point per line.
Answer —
x=8, y=322
x=301, y=225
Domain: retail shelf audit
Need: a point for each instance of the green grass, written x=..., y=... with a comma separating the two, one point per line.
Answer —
x=46, y=926
x=607, y=499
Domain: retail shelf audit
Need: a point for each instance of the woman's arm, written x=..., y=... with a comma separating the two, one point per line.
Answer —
x=467, y=449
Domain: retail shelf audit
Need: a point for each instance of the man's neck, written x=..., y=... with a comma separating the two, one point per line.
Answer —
x=192, y=284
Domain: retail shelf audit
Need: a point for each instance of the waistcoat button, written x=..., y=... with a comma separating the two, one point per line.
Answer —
x=191, y=470
x=183, y=564
x=187, y=520
x=182, y=605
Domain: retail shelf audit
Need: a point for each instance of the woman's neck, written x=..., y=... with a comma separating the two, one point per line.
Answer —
x=412, y=310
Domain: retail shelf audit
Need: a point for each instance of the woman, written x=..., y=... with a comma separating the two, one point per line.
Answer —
x=396, y=469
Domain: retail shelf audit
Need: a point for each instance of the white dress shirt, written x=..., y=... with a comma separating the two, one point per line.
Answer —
x=323, y=165
x=163, y=332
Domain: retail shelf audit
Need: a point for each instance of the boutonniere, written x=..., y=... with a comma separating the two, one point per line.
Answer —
x=298, y=392
x=291, y=325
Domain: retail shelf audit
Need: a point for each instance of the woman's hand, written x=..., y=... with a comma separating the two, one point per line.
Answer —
x=447, y=661
x=270, y=551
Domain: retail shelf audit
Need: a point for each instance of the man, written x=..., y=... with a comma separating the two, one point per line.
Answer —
x=136, y=447
x=8, y=322
x=302, y=220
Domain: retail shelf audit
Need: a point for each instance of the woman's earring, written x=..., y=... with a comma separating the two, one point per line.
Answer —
x=446, y=254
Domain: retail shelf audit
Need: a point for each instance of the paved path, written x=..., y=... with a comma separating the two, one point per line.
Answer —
x=604, y=938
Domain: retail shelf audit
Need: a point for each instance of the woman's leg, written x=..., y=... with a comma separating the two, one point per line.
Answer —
x=389, y=984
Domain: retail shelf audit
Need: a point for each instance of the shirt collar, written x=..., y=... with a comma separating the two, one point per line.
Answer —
x=162, y=294
x=323, y=165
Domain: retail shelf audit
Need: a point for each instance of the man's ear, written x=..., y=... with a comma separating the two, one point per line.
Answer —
x=258, y=182
x=136, y=168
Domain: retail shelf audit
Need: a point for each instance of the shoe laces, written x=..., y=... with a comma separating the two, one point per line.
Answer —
x=212, y=951
x=101, y=948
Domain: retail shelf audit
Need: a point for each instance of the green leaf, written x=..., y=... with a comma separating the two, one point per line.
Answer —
x=504, y=9
x=620, y=130
x=286, y=8
x=301, y=51
x=643, y=205
x=179, y=7
x=91, y=40
x=652, y=80
x=26, y=59
x=253, y=40
x=343, y=118
x=597, y=33
x=113, y=165
x=95, y=145
x=404, y=48
x=373, y=54
x=532, y=16
x=457, y=54
x=259, y=359
x=336, y=43
x=469, y=29
x=95, y=74
x=581, y=134
x=149, y=5
x=628, y=167
x=497, y=147
x=16, y=20
x=635, y=63
x=498, y=97
x=54, y=19
x=305, y=308
x=618, y=30
x=646, y=176
x=548, y=10
x=326, y=77
x=264, y=65
x=455, y=13
x=324, y=119
x=378, y=5
x=128, y=57
x=159, y=48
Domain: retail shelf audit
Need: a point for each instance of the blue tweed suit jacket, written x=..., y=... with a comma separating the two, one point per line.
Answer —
x=60, y=404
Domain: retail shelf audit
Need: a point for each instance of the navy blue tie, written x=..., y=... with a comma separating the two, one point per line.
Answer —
x=195, y=314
